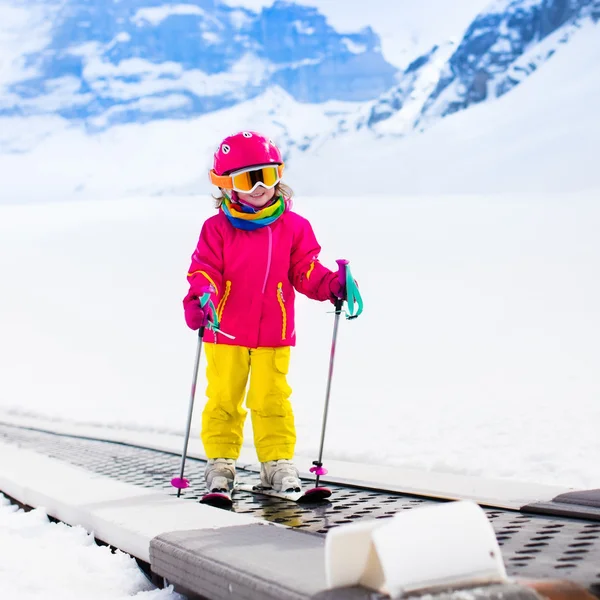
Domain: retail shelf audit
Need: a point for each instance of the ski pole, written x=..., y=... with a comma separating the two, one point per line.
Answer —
x=318, y=468
x=181, y=482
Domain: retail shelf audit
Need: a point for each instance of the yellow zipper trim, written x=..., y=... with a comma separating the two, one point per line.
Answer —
x=283, y=311
x=310, y=269
x=208, y=277
x=221, y=306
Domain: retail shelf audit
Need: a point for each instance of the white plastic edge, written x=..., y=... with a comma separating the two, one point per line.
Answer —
x=118, y=513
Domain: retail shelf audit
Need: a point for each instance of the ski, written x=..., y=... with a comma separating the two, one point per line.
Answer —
x=310, y=496
x=217, y=499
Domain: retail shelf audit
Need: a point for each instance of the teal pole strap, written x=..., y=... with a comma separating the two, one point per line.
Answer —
x=353, y=298
x=213, y=323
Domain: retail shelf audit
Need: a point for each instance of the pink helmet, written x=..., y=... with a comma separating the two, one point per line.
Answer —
x=245, y=149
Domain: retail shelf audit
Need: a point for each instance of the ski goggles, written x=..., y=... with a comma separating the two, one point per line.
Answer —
x=247, y=180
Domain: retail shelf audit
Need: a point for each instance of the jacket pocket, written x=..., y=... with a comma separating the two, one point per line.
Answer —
x=281, y=301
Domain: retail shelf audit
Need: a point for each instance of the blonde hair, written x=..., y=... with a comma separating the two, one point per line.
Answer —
x=281, y=189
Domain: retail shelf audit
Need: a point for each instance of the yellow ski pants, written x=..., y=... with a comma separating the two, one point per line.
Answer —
x=268, y=401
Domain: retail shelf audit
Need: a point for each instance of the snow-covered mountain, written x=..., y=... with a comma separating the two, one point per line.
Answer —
x=134, y=60
x=131, y=95
x=504, y=44
x=110, y=62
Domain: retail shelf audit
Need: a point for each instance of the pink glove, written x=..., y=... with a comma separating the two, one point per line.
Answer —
x=195, y=317
x=338, y=291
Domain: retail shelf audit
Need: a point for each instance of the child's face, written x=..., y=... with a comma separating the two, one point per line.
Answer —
x=259, y=197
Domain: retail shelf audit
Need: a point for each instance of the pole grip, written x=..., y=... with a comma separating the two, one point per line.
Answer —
x=342, y=264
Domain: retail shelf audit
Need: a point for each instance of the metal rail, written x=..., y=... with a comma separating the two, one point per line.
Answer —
x=533, y=546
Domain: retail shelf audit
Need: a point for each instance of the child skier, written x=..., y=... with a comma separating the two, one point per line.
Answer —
x=251, y=256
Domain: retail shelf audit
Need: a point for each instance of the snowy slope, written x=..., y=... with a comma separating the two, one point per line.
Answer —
x=49, y=158
x=506, y=42
x=477, y=352
x=541, y=138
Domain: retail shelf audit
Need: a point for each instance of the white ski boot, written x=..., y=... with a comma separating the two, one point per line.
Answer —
x=280, y=475
x=219, y=475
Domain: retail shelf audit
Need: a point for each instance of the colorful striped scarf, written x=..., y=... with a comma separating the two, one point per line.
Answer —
x=247, y=218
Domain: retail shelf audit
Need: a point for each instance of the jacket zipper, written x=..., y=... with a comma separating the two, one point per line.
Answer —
x=221, y=306
x=269, y=258
x=281, y=301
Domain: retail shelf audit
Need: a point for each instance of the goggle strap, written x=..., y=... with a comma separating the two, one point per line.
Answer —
x=222, y=181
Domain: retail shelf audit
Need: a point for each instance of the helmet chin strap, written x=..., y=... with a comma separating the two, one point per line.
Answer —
x=231, y=196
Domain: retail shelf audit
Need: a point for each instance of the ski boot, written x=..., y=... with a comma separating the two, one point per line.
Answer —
x=280, y=475
x=219, y=475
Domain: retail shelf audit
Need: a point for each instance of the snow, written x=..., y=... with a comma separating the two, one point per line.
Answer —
x=500, y=6
x=506, y=145
x=477, y=352
x=407, y=28
x=68, y=563
x=353, y=46
x=23, y=30
x=488, y=246
x=62, y=94
x=539, y=138
x=476, y=250
x=146, y=77
x=538, y=53
x=402, y=122
x=479, y=327
x=303, y=28
x=156, y=14
x=160, y=157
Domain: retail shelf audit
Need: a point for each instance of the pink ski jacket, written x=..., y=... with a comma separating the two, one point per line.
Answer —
x=254, y=274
